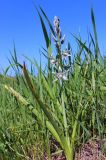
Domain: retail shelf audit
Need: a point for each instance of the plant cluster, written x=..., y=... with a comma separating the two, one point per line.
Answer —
x=59, y=109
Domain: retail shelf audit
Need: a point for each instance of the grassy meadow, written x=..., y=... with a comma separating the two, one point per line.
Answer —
x=54, y=112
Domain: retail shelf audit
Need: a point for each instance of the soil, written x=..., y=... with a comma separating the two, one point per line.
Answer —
x=92, y=150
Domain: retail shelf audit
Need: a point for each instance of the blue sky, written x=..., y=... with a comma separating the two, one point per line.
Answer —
x=19, y=23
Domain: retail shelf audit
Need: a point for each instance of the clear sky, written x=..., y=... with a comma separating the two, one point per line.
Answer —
x=19, y=23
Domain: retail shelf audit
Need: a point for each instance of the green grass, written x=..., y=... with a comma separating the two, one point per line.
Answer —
x=35, y=109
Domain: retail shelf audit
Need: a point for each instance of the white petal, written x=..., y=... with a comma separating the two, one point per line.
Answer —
x=65, y=78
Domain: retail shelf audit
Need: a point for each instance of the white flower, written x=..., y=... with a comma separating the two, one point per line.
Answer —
x=61, y=75
x=66, y=53
x=52, y=60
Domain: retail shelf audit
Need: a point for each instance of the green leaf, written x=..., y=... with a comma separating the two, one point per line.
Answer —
x=47, y=21
x=44, y=30
x=48, y=114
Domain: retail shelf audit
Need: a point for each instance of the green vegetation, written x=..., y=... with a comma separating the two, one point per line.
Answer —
x=58, y=109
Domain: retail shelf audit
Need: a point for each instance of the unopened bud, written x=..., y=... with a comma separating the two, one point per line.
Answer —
x=56, y=22
x=63, y=39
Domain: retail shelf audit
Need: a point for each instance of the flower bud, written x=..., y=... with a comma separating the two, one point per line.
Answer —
x=63, y=39
x=56, y=22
